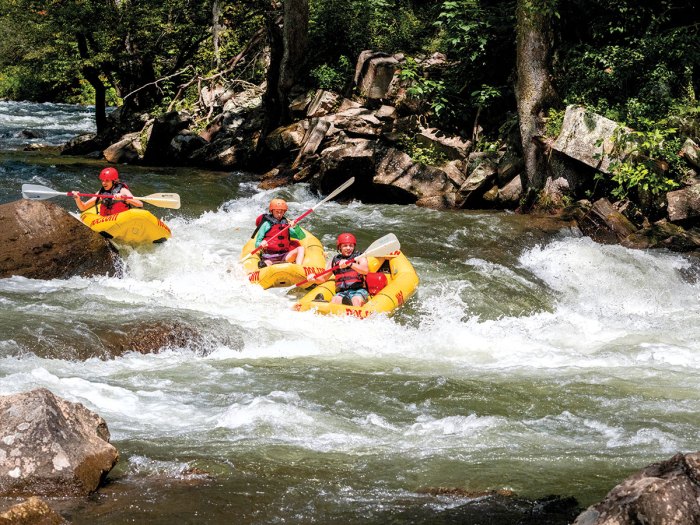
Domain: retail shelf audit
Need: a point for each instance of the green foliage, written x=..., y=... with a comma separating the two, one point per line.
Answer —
x=421, y=153
x=342, y=28
x=333, y=78
x=632, y=61
x=644, y=156
x=129, y=45
x=433, y=93
x=465, y=29
x=555, y=120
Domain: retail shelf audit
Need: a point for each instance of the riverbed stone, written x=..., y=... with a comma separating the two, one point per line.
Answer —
x=51, y=447
x=664, y=493
x=33, y=511
x=41, y=240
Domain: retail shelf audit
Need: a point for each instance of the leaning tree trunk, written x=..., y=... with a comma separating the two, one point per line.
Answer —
x=287, y=36
x=534, y=91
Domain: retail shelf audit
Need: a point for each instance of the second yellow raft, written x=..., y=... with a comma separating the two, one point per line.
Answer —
x=402, y=281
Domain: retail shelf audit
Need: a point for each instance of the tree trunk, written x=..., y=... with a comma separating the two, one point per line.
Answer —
x=287, y=52
x=92, y=75
x=216, y=31
x=534, y=91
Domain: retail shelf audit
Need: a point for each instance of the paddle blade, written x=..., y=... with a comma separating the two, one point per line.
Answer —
x=382, y=246
x=36, y=192
x=345, y=185
x=162, y=200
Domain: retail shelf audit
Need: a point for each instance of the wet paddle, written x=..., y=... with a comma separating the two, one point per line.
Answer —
x=38, y=192
x=380, y=248
x=335, y=192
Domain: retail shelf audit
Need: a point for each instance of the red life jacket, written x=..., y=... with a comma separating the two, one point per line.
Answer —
x=112, y=206
x=347, y=278
x=277, y=240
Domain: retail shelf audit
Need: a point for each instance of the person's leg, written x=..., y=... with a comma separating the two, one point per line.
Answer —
x=339, y=297
x=296, y=255
x=359, y=297
x=300, y=254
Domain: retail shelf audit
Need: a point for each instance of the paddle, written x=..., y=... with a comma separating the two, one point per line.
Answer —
x=162, y=200
x=379, y=248
x=335, y=192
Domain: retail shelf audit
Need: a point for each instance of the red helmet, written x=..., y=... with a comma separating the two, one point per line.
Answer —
x=346, y=238
x=109, y=174
x=278, y=204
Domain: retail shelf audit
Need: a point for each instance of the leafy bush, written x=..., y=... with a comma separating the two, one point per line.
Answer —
x=333, y=78
x=420, y=153
x=645, y=168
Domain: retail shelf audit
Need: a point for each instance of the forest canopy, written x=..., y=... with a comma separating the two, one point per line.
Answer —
x=636, y=62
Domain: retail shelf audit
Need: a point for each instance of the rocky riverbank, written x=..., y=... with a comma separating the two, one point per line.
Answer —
x=377, y=133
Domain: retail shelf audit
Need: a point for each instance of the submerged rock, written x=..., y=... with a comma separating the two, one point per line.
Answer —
x=52, y=447
x=33, y=511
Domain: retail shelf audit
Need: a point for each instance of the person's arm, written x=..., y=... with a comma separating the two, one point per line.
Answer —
x=323, y=278
x=83, y=206
x=259, y=238
x=295, y=232
x=130, y=198
x=360, y=265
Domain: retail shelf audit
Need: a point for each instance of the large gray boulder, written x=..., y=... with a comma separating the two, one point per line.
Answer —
x=41, y=240
x=665, y=493
x=51, y=447
x=374, y=72
x=588, y=138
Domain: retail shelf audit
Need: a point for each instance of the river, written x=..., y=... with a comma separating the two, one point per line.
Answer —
x=532, y=360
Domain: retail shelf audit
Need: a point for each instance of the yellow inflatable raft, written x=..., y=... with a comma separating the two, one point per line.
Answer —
x=285, y=274
x=401, y=283
x=134, y=226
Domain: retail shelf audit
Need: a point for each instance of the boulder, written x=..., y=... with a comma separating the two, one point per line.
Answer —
x=287, y=137
x=374, y=73
x=481, y=178
x=588, y=138
x=33, y=511
x=665, y=493
x=691, y=152
x=663, y=234
x=82, y=145
x=608, y=217
x=509, y=195
x=428, y=186
x=126, y=151
x=322, y=103
x=41, y=240
x=315, y=133
x=164, y=129
x=684, y=204
x=453, y=147
x=51, y=447
x=186, y=143
x=340, y=162
x=509, y=165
